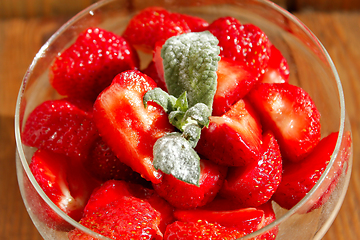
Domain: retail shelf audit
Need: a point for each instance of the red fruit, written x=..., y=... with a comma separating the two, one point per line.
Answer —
x=200, y=229
x=299, y=178
x=157, y=24
x=289, y=112
x=63, y=126
x=277, y=70
x=55, y=173
x=234, y=81
x=233, y=139
x=244, y=43
x=184, y=195
x=127, y=126
x=254, y=184
x=269, y=217
x=90, y=64
x=104, y=165
x=152, y=72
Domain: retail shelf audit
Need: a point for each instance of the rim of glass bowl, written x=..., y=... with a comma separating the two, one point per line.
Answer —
x=101, y=3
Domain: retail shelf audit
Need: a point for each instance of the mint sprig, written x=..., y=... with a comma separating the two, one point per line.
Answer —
x=190, y=63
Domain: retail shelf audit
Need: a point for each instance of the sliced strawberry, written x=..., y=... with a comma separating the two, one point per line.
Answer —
x=152, y=72
x=289, y=112
x=244, y=43
x=234, y=81
x=184, y=195
x=277, y=70
x=269, y=217
x=64, y=126
x=157, y=24
x=103, y=164
x=67, y=186
x=233, y=139
x=158, y=61
x=299, y=178
x=197, y=230
x=90, y=64
x=127, y=126
x=254, y=184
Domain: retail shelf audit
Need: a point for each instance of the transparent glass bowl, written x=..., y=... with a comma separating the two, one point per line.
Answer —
x=310, y=68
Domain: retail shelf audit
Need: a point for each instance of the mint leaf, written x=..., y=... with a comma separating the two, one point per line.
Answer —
x=190, y=63
x=174, y=155
x=192, y=134
x=166, y=101
x=199, y=113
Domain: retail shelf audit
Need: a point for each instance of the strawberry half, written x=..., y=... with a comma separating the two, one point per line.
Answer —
x=234, y=81
x=244, y=43
x=184, y=195
x=157, y=24
x=65, y=183
x=90, y=64
x=299, y=178
x=254, y=184
x=277, y=70
x=63, y=126
x=289, y=112
x=233, y=139
x=129, y=128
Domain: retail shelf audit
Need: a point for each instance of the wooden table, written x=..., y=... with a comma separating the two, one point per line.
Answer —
x=20, y=40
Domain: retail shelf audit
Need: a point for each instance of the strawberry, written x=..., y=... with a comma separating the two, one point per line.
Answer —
x=67, y=185
x=233, y=139
x=289, y=112
x=117, y=209
x=157, y=24
x=244, y=43
x=64, y=126
x=254, y=184
x=152, y=72
x=197, y=230
x=184, y=195
x=104, y=165
x=88, y=66
x=277, y=70
x=269, y=217
x=127, y=126
x=299, y=178
x=234, y=81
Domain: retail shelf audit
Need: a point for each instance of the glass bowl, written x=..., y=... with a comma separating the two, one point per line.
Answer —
x=310, y=68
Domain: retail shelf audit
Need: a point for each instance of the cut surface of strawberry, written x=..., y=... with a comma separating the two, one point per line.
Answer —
x=89, y=65
x=63, y=126
x=233, y=139
x=254, y=184
x=129, y=128
x=234, y=81
x=299, y=178
x=244, y=43
x=184, y=195
x=289, y=112
x=277, y=70
x=157, y=24
x=66, y=189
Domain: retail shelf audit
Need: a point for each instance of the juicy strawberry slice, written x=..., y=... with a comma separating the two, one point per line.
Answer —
x=234, y=81
x=157, y=24
x=103, y=164
x=152, y=72
x=277, y=70
x=184, y=195
x=254, y=184
x=198, y=230
x=299, y=178
x=233, y=139
x=244, y=43
x=269, y=217
x=289, y=112
x=117, y=209
x=127, y=126
x=68, y=190
x=64, y=126
x=90, y=64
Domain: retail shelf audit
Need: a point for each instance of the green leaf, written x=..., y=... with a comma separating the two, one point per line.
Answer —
x=162, y=98
x=199, y=113
x=190, y=63
x=174, y=155
x=192, y=134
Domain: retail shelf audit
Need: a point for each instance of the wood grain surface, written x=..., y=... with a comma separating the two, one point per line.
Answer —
x=20, y=39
